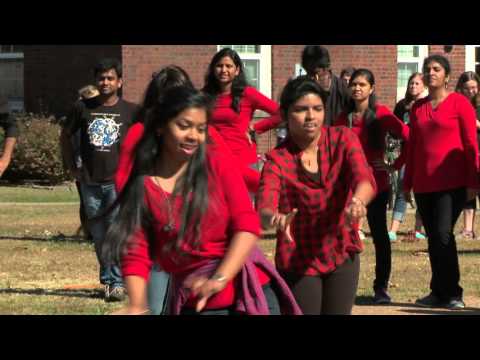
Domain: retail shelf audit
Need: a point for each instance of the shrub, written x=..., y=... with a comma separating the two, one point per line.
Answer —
x=37, y=154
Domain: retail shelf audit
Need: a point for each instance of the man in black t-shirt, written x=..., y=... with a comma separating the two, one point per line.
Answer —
x=102, y=122
x=8, y=123
x=316, y=62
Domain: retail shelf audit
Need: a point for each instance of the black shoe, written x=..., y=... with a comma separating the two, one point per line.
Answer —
x=381, y=297
x=429, y=301
x=455, y=304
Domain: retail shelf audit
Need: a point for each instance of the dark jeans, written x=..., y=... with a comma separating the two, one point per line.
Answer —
x=82, y=214
x=377, y=221
x=331, y=294
x=440, y=211
x=272, y=301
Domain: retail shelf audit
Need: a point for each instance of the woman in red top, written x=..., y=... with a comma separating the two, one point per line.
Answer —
x=371, y=122
x=177, y=209
x=306, y=192
x=235, y=104
x=442, y=170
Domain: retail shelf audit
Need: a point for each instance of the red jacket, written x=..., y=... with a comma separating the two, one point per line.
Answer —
x=442, y=153
x=388, y=123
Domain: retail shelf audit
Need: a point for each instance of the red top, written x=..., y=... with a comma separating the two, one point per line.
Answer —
x=233, y=126
x=322, y=239
x=443, y=152
x=229, y=212
x=388, y=123
x=127, y=151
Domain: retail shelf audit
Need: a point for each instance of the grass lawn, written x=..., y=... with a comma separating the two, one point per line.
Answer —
x=39, y=194
x=45, y=268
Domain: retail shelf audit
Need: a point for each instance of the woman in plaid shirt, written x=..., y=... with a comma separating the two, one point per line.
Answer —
x=306, y=193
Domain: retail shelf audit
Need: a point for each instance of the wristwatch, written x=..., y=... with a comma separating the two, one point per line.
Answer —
x=219, y=278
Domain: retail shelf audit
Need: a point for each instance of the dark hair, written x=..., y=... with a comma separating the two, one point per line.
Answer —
x=408, y=96
x=442, y=60
x=167, y=77
x=375, y=140
x=192, y=186
x=315, y=56
x=466, y=77
x=347, y=71
x=212, y=86
x=106, y=65
x=298, y=88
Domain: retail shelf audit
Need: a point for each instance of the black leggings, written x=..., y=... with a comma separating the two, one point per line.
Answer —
x=440, y=211
x=331, y=294
x=377, y=221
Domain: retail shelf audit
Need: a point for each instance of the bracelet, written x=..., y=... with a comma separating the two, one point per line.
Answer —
x=219, y=278
x=355, y=199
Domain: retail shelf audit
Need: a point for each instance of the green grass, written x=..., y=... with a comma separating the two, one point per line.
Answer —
x=45, y=268
x=43, y=194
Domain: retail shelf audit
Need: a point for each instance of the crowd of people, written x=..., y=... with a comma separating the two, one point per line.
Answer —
x=175, y=200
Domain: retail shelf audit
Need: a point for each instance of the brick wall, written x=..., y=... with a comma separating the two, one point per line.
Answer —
x=53, y=74
x=140, y=61
x=456, y=59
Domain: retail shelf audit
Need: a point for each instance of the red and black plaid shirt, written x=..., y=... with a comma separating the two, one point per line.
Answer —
x=322, y=239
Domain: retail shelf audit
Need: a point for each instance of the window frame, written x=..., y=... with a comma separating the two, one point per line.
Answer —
x=422, y=54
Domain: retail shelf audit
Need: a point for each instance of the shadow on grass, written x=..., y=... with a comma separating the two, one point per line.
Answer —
x=414, y=309
x=78, y=293
x=55, y=238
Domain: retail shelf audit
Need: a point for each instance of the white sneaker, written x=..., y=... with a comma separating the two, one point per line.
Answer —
x=361, y=235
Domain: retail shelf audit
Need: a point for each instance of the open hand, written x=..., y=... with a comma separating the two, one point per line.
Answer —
x=283, y=221
x=203, y=288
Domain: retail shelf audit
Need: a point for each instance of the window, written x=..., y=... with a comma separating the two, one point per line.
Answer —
x=409, y=60
x=11, y=75
x=11, y=51
x=257, y=60
x=472, y=58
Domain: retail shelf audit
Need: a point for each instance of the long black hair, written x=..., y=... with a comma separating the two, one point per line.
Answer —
x=192, y=186
x=167, y=77
x=212, y=86
x=375, y=140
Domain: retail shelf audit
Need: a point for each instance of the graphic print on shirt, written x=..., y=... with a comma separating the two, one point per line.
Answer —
x=103, y=131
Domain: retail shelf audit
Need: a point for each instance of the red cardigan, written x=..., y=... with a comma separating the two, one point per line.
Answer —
x=388, y=123
x=442, y=153
x=228, y=212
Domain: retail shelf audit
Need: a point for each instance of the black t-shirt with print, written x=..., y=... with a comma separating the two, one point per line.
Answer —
x=102, y=129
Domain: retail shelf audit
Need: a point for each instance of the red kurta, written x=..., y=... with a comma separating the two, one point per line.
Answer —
x=442, y=152
x=388, y=123
x=233, y=128
x=228, y=212
x=323, y=241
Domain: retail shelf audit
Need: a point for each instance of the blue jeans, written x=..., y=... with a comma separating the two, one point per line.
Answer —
x=157, y=290
x=400, y=205
x=96, y=199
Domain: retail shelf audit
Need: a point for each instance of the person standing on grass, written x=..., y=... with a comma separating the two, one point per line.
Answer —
x=102, y=124
x=442, y=170
x=316, y=62
x=468, y=84
x=235, y=104
x=9, y=125
x=306, y=195
x=416, y=90
x=371, y=122
x=185, y=206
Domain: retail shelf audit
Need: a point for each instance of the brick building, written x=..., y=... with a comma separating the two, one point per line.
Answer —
x=54, y=73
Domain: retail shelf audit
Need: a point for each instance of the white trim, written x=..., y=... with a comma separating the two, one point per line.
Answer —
x=470, y=57
x=422, y=54
x=11, y=55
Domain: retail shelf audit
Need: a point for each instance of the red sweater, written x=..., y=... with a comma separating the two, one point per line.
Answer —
x=134, y=135
x=229, y=212
x=442, y=153
x=233, y=126
x=388, y=123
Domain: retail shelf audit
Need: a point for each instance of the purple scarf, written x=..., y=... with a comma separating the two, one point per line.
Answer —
x=251, y=299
